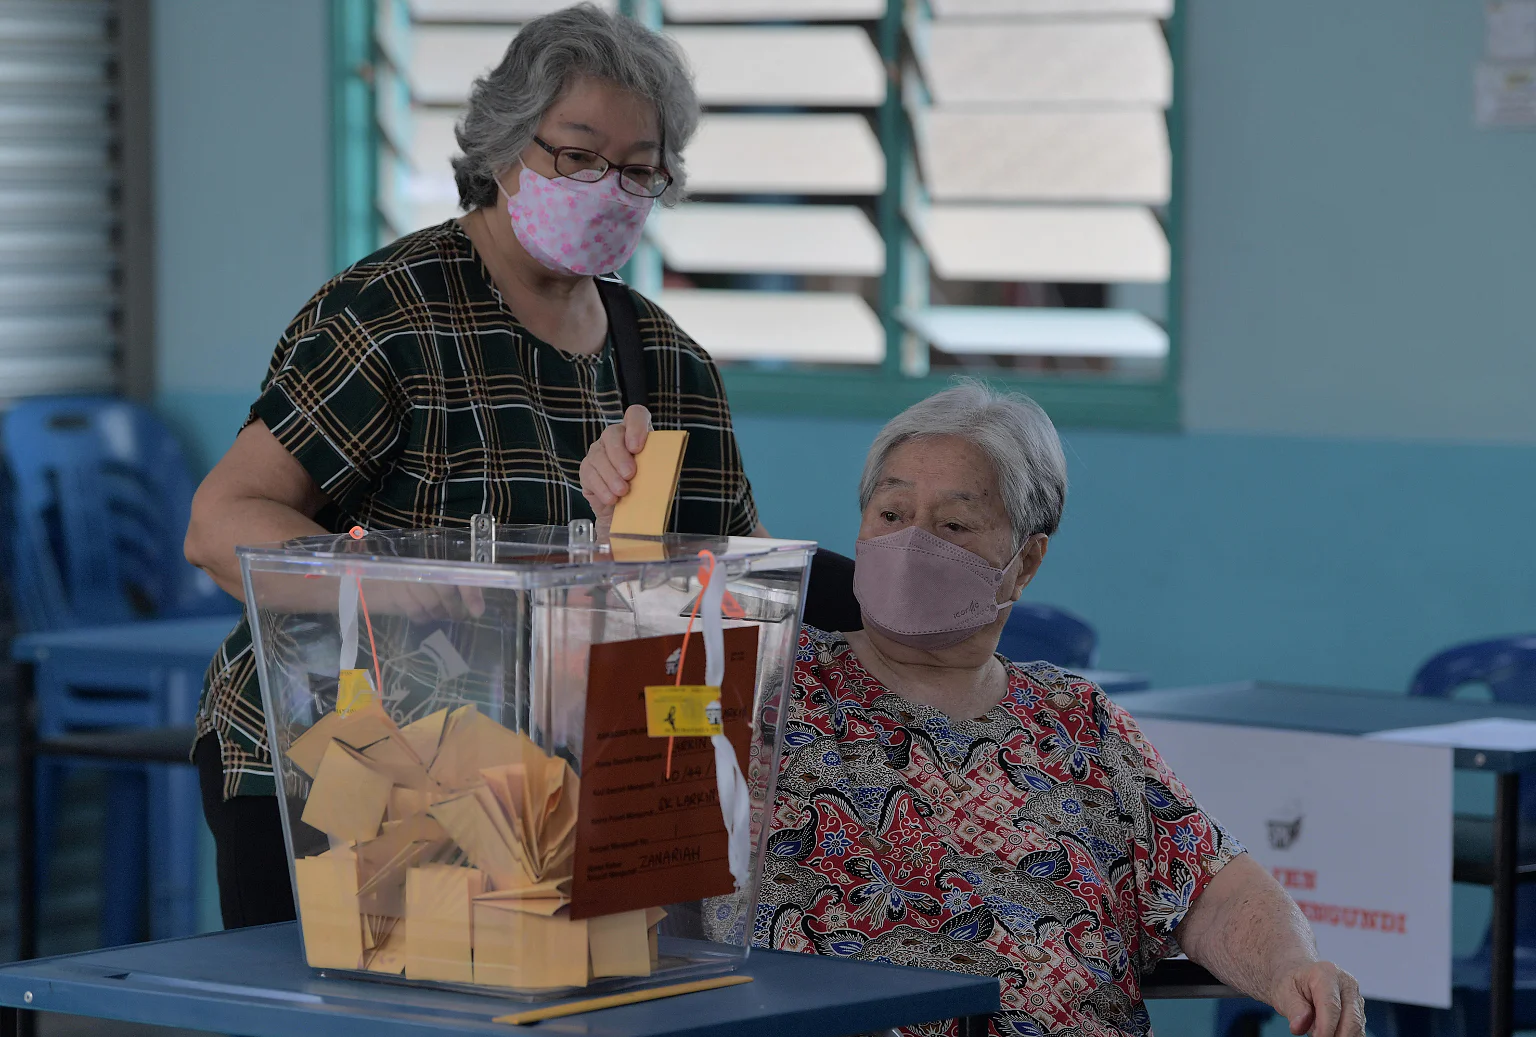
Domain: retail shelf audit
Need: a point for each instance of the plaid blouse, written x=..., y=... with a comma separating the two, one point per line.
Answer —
x=412, y=395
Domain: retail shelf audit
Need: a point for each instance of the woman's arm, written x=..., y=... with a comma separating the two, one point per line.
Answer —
x=1251, y=935
x=257, y=493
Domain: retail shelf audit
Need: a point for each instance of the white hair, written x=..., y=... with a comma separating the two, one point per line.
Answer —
x=1010, y=428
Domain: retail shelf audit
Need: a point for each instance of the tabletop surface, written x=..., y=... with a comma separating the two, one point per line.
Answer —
x=1340, y=711
x=151, y=637
x=254, y=982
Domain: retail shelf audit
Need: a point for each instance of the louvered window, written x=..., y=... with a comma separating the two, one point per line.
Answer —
x=882, y=192
x=60, y=301
x=1043, y=155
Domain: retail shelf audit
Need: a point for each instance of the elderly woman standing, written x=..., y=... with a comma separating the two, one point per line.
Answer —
x=466, y=368
x=941, y=806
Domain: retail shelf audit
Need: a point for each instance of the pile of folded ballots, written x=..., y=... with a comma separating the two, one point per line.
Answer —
x=452, y=843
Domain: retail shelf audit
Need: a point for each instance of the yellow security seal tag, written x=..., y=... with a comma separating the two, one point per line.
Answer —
x=354, y=690
x=683, y=710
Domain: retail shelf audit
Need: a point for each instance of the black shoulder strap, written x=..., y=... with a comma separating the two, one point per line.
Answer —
x=624, y=325
x=830, y=603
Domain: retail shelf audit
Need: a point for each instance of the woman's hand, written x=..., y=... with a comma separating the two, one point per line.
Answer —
x=1321, y=999
x=423, y=602
x=1247, y=931
x=610, y=465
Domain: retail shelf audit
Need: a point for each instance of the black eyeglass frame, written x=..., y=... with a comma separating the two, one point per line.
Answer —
x=608, y=167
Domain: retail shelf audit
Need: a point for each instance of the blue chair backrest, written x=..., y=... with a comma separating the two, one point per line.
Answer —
x=1035, y=631
x=1507, y=665
x=100, y=499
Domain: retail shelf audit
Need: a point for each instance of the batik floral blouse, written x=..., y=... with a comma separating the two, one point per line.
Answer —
x=1046, y=843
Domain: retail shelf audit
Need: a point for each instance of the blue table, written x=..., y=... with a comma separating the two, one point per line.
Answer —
x=1348, y=712
x=254, y=982
x=153, y=671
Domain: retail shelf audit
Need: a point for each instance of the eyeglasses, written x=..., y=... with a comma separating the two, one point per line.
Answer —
x=589, y=167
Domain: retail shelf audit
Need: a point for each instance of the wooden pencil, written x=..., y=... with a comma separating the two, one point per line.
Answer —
x=629, y=997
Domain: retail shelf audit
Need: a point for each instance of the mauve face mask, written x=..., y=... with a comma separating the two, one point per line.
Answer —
x=922, y=591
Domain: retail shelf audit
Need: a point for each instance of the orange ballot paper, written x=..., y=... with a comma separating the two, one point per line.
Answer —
x=644, y=511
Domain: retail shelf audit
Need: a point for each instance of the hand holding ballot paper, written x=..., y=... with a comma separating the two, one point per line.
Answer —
x=630, y=476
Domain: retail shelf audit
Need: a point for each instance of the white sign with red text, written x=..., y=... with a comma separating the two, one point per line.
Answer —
x=1358, y=831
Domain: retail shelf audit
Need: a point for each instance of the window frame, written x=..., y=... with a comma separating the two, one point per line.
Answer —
x=1073, y=401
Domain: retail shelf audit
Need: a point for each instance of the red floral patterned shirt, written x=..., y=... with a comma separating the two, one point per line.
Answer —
x=1045, y=843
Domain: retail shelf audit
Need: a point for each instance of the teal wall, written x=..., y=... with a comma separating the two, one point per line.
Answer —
x=1210, y=557
x=1358, y=483
x=242, y=198
x=1357, y=256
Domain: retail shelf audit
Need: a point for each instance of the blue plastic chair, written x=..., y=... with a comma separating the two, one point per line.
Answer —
x=1507, y=667
x=1035, y=631
x=100, y=497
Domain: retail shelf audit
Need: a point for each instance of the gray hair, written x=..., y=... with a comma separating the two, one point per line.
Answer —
x=1010, y=428
x=543, y=60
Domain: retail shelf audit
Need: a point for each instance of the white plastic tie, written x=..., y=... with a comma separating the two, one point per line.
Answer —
x=735, y=804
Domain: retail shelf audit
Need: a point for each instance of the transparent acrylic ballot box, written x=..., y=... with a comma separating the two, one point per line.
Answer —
x=520, y=761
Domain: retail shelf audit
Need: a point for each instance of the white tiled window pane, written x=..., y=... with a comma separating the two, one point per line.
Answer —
x=489, y=11
x=1044, y=243
x=768, y=239
x=1104, y=156
x=1091, y=62
x=1036, y=331
x=446, y=59
x=817, y=327
x=771, y=10
x=1062, y=8
x=818, y=66
x=432, y=191
x=786, y=154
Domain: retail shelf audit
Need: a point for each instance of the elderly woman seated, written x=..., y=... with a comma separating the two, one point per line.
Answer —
x=941, y=806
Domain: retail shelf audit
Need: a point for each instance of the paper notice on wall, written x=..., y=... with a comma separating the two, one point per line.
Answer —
x=1505, y=94
x=1511, y=31
x=1359, y=833
x=644, y=839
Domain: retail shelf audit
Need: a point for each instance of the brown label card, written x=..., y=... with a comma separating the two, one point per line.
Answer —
x=644, y=839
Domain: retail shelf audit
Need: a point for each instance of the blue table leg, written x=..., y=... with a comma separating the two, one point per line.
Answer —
x=175, y=811
x=1506, y=839
x=124, y=868
x=18, y=1023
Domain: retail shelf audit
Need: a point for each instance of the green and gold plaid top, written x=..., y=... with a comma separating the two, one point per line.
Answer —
x=412, y=395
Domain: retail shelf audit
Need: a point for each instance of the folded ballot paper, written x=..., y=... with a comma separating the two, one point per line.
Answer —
x=452, y=847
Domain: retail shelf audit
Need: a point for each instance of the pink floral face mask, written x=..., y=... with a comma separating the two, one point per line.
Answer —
x=577, y=228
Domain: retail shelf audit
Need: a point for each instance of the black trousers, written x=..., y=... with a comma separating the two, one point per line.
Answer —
x=252, y=861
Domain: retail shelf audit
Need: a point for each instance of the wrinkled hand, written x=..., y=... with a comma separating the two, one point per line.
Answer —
x=610, y=464
x=1322, y=1000
x=421, y=602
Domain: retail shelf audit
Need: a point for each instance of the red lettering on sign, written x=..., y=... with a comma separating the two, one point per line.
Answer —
x=1354, y=917
x=1295, y=878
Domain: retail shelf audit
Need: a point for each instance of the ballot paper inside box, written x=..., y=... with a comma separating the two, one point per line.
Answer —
x=473, y=792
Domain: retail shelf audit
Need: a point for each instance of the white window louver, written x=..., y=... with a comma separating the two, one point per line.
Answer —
x=59, y=190
x=829, y=77
x=1041, y=140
